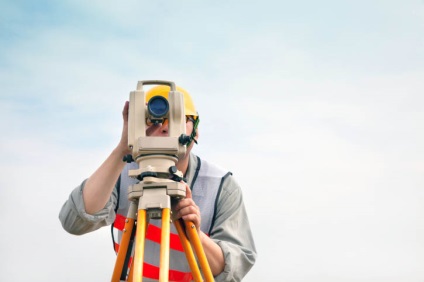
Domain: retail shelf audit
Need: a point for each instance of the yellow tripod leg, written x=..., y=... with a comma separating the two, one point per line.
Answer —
x=123, y=249
x=131, y=274
x=191, y=259
x=139, y=246
x=164, y=245
x=198, y=248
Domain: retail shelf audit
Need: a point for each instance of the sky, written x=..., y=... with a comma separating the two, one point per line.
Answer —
x=317, y=108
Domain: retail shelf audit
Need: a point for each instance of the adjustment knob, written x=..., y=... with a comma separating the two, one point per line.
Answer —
x=173, y=169
x=184, y=139
x=128, y=158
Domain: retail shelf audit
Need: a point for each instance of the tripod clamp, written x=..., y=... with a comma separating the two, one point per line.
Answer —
x=175, y=174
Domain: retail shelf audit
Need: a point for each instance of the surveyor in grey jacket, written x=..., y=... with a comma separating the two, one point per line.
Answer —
x=213, y=203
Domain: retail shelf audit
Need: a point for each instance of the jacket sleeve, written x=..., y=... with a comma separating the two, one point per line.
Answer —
x=77, y=221
x=231, y=231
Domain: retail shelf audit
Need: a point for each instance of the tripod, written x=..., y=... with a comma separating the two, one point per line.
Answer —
x=151, y=199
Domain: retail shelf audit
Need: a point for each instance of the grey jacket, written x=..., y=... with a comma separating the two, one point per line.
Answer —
x=231, y=229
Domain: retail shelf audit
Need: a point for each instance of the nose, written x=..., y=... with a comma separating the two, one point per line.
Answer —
x=160, y=129
x=164, y=127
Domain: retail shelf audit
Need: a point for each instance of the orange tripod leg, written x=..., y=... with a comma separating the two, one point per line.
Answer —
x=197, y=245
x=123, y=249
x=164, y=245
x=137, y=267
x=191, y=259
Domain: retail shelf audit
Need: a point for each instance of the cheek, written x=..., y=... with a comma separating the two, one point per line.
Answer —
x=189, y=128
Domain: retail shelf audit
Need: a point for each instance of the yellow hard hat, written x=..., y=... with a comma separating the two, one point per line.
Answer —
x=163, y=90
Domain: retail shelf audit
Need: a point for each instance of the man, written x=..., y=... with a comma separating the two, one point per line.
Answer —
x=213, y=203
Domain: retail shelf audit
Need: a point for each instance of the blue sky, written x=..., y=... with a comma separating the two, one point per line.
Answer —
x=316, y=107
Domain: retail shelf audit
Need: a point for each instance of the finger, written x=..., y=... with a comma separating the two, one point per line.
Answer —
x=192, y=218
x=188, y=190
x=125, y=110
x=184, y=203
x=189, y=209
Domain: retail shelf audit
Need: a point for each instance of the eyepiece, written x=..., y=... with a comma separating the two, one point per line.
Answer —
x=158, y=107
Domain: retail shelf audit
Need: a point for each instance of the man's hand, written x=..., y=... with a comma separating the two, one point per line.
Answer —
x=123, y=143
x=187, y=209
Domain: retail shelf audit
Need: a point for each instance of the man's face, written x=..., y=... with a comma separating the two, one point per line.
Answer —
x=162, y=129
